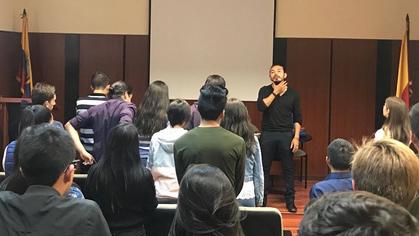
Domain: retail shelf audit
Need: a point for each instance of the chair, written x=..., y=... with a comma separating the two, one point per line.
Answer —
x=302, y=155
x=271, y=219
x=266, y=221
x=2, y=176
x=80, y=180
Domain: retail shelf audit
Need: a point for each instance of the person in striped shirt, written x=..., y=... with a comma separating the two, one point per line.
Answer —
x=99, y=84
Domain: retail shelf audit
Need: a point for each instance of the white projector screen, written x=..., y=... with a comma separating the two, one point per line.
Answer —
x=192, y=39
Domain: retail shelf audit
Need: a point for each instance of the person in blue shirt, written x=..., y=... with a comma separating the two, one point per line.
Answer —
x=339, y=158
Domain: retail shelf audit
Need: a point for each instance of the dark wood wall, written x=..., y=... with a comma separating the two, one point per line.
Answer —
x=342, y=82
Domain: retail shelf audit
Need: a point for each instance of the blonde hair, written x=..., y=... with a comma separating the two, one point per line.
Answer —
x=387, y=168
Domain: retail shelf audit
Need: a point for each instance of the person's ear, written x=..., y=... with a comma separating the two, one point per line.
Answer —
x=69, y=173
x=285, y=75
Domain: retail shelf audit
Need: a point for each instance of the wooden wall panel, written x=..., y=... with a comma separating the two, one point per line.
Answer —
x=9, y=61
x=353, y=89
x=100, y=53
x=308, y=68
x=47, y=56
x=137, y=64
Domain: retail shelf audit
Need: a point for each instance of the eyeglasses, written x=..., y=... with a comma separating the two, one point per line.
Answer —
x=74, y=162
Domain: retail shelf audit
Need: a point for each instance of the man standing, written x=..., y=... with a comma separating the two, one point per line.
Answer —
x=99, y=84
x=209, y=143
x=44, y=94
x=281, y=124
x=102, y=118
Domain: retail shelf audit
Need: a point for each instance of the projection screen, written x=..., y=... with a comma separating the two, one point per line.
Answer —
x=192, y=39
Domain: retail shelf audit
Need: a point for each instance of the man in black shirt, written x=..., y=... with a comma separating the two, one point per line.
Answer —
x=281, y=124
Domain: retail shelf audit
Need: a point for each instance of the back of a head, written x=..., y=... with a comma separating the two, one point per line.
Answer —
x=340, y=153
x=42, y=92
x=206, y=204
x=387, y=168
x=215, y=80
x=212, y=101
x=151, y=116
x=117, y=175
x=398, y=122
x=178, y=112
x=33, y=115
x=99, y=80
x=118, y=89
x=237, y=120
x=44, y=153
x=356, y=214
x=414, y=119
x=122, y=145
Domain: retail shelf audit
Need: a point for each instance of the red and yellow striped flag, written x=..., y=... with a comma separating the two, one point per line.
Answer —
x=402, y=90
x=25, y=70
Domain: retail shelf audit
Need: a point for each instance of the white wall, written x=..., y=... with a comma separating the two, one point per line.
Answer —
x=363, y=19
x=192, y=39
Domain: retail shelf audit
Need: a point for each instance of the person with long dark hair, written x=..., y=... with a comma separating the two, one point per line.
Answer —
x=397, y=122
x=206, y=205
x=151, y=116
x=123, y=189
x=237, y=120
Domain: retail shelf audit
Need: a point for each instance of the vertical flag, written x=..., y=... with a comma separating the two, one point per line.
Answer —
x=402, y=90
x=25, y=70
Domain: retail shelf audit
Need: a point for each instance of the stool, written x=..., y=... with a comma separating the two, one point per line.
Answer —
x=303, y=156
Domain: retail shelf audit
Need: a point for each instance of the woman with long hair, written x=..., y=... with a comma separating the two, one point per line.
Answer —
x=206, y=204
x=237, y=120
x=123, y=189
x=151, y=116
x=397, y=122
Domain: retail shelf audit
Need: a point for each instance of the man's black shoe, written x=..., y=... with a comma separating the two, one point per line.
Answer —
x=291, y=207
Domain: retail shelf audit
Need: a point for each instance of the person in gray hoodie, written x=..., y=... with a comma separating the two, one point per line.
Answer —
x=161, y=158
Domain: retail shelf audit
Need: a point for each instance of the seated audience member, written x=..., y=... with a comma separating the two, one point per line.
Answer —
x=102, y=118
x=356, y=213
x=44, y=94
x=211, y=144
x=195, y=120
x=99, y=84
x=387, y=168
x=31, y=115
x=206, y=204
x=46, y=154
x=161, y=160
x=237, y=120
x=151, y=116
x=338, y=159
x=123, y=188
x=397, y=123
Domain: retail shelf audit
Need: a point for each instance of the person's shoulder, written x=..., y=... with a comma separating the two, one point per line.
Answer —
x=232, y=136
x=6, y=196
x=265, y=87
x=83, y=204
